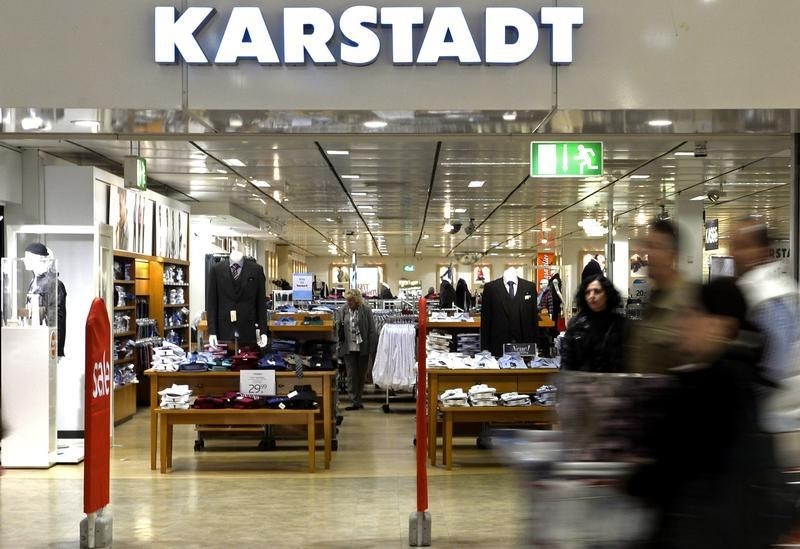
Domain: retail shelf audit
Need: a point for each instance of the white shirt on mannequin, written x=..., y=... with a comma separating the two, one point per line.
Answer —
x=510, y=275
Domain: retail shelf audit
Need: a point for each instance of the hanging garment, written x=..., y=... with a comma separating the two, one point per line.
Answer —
x=394, y=360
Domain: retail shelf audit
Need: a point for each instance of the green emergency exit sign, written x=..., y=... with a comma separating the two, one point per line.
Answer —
x=566, y=158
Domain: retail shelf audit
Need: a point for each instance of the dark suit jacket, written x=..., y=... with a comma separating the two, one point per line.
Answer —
x=247, y=296
x=506, y=320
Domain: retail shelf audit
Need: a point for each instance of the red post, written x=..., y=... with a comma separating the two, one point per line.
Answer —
x=422, y=411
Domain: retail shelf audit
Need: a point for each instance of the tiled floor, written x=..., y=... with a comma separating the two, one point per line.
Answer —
x=226, y=497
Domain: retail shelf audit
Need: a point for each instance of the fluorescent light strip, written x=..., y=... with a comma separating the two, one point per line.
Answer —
x=350, y=176
x=476, y=184
x=235, y=162
x=338, y=153
x=485, y=164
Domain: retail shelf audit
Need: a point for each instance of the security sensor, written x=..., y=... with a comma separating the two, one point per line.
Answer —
x=700, y=149
x=456, y=227
x=713, y=196
x=470, y=228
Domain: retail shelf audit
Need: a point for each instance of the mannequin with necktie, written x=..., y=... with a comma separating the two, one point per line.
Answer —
x=508, y=312
x=236, y=301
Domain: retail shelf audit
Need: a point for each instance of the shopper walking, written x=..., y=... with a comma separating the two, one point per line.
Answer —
x=593, y=341
x=651, y=344
x=357, y=341
x=772, y=308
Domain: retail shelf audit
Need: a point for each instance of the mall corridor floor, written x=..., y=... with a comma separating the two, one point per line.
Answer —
x=226, y=497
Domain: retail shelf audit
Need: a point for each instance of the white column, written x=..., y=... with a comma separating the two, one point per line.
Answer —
x=689, y=219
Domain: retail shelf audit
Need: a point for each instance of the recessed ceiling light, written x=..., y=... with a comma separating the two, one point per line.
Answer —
x=368, y=213
x=640, y=176
x=375, y=124
x=261, y=183
x=365, y=207
x=329, y=220
x=92, y=124
x=426, y=235
x=419, y=252
x=220, y=170
x=338, y=153
x=234, y=162
x=668, y=166
x=262, y=201
x=493, y=244
x=358, y=194
x=698, y=197
x=350, y=176
x=476, y=184
x=660, y=123
x=235, y=121
x=460, y=210
x=684, y=153
x=239, y=184
x=510, y=116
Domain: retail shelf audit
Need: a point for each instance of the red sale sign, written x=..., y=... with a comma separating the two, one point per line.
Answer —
x=97, y=418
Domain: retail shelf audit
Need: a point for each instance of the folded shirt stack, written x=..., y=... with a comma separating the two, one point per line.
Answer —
x=540, y=362
x=468, y=343
x=220, y=365
x=245, y=360
x=438, y=341
x=167, y=357
x=482, y=395
x=515, y=399
x=218, y=352
x=483, y=360
x=284, y=345
x=454, y=397
x=512, y=361
x=285, y=321
x=439, y=316
x=176, y=397
x=322, y=309
x=546, y=395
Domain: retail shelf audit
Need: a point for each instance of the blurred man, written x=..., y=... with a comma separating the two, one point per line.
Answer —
x=772, y=306
x=652, y=345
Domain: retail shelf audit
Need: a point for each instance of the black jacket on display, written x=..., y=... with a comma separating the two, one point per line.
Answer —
x=246, y=296
x=593, y=342
x=507, y=320
x=447, y=295
x=463, y=297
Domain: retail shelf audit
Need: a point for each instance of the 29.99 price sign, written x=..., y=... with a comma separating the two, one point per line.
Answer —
x=257, y=382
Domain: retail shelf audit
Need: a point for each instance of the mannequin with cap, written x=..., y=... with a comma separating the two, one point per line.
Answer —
x=236, y=301
x=39, y=259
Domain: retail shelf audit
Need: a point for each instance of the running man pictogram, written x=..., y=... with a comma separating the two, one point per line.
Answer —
x=586, y=158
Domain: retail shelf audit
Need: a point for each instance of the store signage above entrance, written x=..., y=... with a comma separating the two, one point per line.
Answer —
x=510, y=37
x=566, y=159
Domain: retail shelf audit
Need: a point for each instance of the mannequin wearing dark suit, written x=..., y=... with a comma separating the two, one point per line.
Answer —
x=247, y=295
x=506, y=319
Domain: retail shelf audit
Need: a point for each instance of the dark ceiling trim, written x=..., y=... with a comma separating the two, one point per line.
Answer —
x=347, y=193
x=268, y=196
x=591, y=194
x=120, y=166
x=434, y=168
x=485, y=219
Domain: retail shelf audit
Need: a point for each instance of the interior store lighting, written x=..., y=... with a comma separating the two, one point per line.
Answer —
x=91, y=124
x=235, y=121
x=375, y=124
x=329, y=220
x=510, y=116
x=476, y=184
x=338, y=153
x=659, y=123
x=684, y=153
x=640, y=176
x=261, y=183
x=235, y=162
x=350, y=176
x=31, y=122
x=699, y=197
x=460, y=210
x=358, y=194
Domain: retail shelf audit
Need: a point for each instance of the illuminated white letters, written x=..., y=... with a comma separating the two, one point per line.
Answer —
x=402, y=21
x=448, y=36
x=562, y=20
x=498, y=20
x=296, y=42
x=511, y=35
x=172, y=34
x=364, y=45
x=233, y=47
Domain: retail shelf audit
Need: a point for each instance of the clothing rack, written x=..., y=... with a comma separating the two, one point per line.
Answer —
x=382, y=319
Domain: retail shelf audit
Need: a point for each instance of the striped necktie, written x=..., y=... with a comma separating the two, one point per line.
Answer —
x=235, y=271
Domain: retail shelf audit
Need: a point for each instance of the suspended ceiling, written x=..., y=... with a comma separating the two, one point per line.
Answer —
x=345, y=189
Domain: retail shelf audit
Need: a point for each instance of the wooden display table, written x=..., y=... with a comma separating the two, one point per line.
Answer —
x=258, y=416
x=215, y=383
x=505, y=381
x=485, y=414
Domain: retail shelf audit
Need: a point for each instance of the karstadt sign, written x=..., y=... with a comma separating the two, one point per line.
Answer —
x=510, y=36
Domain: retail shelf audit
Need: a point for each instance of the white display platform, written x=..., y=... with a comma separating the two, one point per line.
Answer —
x=69, y=450
x=28, y=397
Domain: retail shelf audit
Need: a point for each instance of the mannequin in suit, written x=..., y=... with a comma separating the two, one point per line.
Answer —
x=40, y=260
x=508, y=312
x=237, y=303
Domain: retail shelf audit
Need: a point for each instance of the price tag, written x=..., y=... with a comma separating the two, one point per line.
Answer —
x=257, y=382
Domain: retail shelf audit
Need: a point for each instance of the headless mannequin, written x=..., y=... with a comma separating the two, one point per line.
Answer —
x=510, y=275
x=237, y=257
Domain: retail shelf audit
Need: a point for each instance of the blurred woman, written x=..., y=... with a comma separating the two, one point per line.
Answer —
x=593, y=340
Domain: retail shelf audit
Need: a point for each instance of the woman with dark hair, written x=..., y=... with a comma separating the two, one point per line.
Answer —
x=593, y=340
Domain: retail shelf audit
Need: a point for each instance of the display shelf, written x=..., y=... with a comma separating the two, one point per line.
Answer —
x=175, y=284
x=129, y=360
x=125, y=308
x=124, y=282
x=125, y=334
x=432, y=324
x=176, y=327
x=166, y=305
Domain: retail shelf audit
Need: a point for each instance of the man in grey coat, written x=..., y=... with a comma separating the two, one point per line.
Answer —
x=357, y=340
